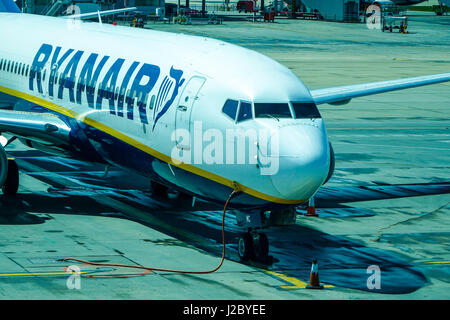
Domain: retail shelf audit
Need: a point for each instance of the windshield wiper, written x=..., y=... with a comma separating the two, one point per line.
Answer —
x=271, y=116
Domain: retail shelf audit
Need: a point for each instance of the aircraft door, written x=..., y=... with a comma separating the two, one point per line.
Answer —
x=184, y=111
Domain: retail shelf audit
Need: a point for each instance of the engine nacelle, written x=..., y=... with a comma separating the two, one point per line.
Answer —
x=3, y=166
x=332, y=164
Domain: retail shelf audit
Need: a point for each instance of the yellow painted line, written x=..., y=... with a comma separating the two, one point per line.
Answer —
x=119, y=135
x=40, y=273
x=296, y=283
x=439, y=262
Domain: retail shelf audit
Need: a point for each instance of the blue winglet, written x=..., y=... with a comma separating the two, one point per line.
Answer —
x=9, y=6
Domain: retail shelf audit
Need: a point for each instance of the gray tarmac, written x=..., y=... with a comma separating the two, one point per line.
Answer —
x=66, y=209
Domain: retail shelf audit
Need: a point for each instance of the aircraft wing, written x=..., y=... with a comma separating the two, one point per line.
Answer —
x=91, y=15
x=40, y=127
x=330, y=196
x=343, y=95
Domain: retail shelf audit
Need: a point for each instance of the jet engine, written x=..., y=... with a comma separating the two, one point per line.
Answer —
x=9, y=174
x=332, y=164
x=3, y=166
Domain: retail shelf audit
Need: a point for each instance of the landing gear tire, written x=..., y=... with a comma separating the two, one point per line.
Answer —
x=11, y=185
x=246, y=250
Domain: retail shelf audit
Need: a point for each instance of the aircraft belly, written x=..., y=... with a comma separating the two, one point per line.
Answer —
x=7, y=101
x=126, y=156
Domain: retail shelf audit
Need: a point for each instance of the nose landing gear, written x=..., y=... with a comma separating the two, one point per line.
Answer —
x=253, y=246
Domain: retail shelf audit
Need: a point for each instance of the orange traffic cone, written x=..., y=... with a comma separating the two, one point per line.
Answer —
x=311, y=211
x=314, y=282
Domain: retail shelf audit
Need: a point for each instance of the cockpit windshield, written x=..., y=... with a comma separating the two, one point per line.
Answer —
x=272, y=110
x=305, y=110
x=240, y=111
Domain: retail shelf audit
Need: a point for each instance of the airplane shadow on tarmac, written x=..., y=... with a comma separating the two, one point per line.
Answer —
x=342, y=262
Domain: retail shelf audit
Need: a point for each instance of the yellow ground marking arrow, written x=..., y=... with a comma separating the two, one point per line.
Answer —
x=296, y=283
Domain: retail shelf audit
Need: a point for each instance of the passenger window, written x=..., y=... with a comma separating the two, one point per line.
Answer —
x=230, y=108
x=1, y=64
x=245, y=111
x=305, y=110
x=272, y=110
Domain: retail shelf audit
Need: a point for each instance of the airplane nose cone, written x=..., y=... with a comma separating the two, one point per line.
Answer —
x=304, y=160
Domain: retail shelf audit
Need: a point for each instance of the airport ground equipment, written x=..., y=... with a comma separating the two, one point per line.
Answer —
x=314, y=282
x=442, y=8
x=390, y=23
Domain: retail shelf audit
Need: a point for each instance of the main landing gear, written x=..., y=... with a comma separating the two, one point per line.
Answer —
x=254, y=245
x=9, y=174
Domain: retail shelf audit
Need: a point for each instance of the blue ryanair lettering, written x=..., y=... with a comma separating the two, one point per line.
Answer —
x=141, y=91
x=106, y=91
x=68, y=78
x=89, y=77
x=55, y=66
x=40, y=59
x=138, y=94
x=123, y=88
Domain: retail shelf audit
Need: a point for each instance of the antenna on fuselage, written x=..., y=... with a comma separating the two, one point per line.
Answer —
x=99, y=17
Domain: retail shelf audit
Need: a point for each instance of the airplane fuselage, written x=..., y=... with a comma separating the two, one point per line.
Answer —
x=184, y=111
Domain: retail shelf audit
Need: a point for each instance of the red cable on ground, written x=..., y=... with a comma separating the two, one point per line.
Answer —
x=150, y=269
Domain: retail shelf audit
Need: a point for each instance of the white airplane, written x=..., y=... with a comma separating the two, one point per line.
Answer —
x=145, y=101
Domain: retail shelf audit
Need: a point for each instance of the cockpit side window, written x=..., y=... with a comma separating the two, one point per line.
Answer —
x=245, y=111
x=305, y=110
x=230, y=108
x=272, y=110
